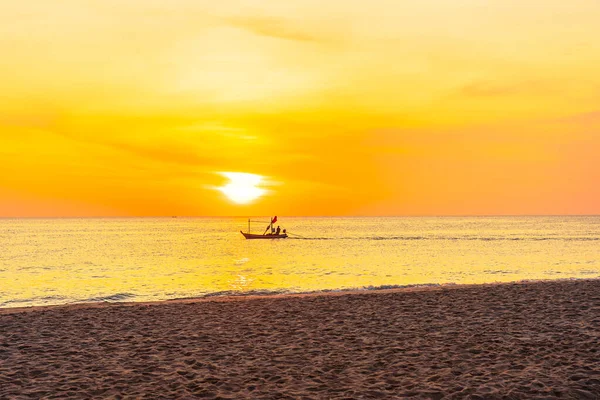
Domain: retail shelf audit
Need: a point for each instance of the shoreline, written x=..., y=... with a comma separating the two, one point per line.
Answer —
x=249, y=296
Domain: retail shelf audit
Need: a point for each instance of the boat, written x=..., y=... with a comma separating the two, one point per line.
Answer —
x=270, y=235
x=255, y=236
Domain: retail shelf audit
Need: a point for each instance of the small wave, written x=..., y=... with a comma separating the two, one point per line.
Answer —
x=387, y=287
x=15, y=303
x=36, y=267
x=46, y=298
x=397, y=238
x=364, y=288
x=112, y=297
x=500, y=271
x=245, y=293
x=34, y=300
x=228, y=293
x=12, y=303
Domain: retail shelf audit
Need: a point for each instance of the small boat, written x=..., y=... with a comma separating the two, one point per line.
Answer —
x=255, y=236
x=265, y=235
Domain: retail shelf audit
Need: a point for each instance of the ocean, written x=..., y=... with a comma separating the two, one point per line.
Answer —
x=60, y=261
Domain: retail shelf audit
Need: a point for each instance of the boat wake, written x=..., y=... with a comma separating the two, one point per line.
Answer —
x=452, y=238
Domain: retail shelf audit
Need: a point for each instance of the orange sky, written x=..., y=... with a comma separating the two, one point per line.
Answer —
x=388, y=108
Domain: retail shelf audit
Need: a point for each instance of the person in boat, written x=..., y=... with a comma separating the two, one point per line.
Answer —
x=278, y=230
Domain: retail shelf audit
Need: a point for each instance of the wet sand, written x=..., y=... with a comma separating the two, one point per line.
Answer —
x=532, y=340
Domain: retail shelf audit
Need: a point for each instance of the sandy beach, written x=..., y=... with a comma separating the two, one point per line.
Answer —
x=527, y=340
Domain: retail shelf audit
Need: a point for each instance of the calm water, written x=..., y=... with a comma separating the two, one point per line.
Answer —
x=55, y=261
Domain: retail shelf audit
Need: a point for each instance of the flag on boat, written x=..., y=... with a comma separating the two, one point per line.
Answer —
x=274, y=219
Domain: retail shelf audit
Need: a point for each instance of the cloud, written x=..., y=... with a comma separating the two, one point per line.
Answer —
x=171, y=154
x=190, y=146
x=32, y=120
x=493, y=89
x=588, y=118
x=273, y=27
x=164, y=151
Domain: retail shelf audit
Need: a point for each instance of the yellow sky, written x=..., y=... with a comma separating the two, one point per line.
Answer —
x=345, y=107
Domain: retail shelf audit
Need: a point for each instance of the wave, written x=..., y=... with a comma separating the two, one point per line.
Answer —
x=112, y=297
x=58, y=300
x=34, y=300
x=228, y=293
x=233, y=293
x=370, y=288
x=125, y=296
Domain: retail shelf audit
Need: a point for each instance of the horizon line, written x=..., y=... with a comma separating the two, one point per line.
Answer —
x=301, y=216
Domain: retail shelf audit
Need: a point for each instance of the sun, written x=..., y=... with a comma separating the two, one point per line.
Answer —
x=243, y=188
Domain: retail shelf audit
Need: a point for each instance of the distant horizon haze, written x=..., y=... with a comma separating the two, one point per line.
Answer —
x=301, y=216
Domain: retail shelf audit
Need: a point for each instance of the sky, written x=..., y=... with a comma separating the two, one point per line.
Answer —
x=435, y=107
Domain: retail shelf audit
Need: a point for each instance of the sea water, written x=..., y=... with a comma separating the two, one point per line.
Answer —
x=58, y=261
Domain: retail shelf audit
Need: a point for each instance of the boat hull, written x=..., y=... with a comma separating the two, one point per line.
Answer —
x=254, y=236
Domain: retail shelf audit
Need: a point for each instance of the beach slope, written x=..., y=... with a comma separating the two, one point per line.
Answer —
x=530, y=340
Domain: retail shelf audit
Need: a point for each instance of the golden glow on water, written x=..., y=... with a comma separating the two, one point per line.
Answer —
x=57, y=261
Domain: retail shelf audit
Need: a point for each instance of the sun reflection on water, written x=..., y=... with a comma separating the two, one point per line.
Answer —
x=75, y=260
